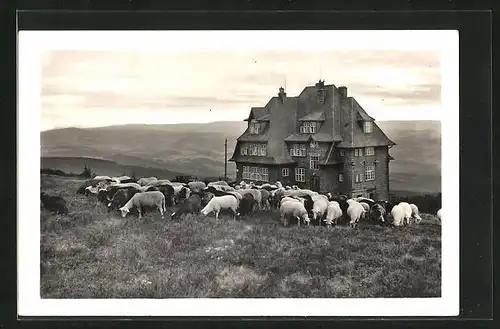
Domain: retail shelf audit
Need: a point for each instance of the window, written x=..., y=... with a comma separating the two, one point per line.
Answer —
x=285, y=172
x=341, y=177
x=358, y=178
x=370, y=173
x=300, y=174
x=254, y=149
x=314, y=162
x=308, y=128
x=254, y=127
x=370, y=151
x=368, y=127
x=244, y=150
x=358, y=152
x=256, y=173
x=298, y=150
x=341, y=153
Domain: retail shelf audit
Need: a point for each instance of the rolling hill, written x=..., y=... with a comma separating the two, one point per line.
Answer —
x=198, y=149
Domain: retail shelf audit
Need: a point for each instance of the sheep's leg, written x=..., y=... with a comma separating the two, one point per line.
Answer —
x=216, y=215
x=139, y=211
x=285, y=220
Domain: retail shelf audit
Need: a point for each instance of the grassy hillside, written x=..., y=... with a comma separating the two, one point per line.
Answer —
x=103, y=167
x=91, y=253
x=198, y=149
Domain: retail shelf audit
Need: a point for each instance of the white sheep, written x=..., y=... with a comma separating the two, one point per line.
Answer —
x=333, y=213
x=217, y=203
x=407, y=212
x=289, y=198
x=127, y=185
x=438, y=214
x=295, y=209
x=355, y=211
x=319, y=209
x=146, y=180
x=159, y=182
x=236, y=194
x=196, y=186
x=414, y=213
x=279, y=185
x=103, y=178
x=120, y=178
x=288, y=188
x=220, y=182
x=398, y=214
x=147, y=199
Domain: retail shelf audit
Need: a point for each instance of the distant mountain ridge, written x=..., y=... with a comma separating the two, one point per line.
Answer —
x=198, y=149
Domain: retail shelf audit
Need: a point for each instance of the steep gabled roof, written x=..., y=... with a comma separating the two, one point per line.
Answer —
x=257, y=113
x=359, y=139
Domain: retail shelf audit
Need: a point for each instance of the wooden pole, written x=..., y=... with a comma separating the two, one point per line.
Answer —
x=225, y=159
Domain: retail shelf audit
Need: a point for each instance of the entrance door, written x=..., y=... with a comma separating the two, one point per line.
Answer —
x=315, y=183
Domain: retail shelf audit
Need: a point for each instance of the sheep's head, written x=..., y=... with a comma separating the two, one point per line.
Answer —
x=124, y=211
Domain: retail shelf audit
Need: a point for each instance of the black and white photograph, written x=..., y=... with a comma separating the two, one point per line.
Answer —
x=239, y=173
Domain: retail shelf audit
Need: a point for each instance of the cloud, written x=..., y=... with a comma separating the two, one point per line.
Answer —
x=169, y=85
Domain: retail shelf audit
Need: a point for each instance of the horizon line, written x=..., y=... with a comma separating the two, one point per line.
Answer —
x=196, y=123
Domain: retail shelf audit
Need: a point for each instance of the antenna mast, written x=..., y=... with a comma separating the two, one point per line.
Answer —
x=225, y=159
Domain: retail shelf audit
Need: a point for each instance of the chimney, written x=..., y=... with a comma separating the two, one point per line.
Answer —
x=320, y=86
x=343, y=91
x=282, y=94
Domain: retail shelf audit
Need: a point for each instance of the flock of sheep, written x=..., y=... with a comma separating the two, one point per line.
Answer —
x=126, y=195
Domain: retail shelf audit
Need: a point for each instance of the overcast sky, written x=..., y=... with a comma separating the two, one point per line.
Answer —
x=102, y=88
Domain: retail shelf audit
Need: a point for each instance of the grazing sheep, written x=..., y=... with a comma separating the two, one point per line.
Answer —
x=398, y=214
x=294, y=209
x=256, y=194
x=146, y=180
x=333, y=213
x=407, y=212
x=265, y=199
x=207, y=196
x=438, y=214
x=246, y=205
x=414, y=213
x=355, y=211
x=369, y=202
x=377, y=213
x=218, y=203
x=366, y=207
x=320, y=207
x=91, y=190
x=145, y=199
x=55, y=204
x=191, y=205
x=121, y=197
x=168, y=192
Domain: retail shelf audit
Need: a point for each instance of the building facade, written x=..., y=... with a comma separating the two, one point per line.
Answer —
x=321, y=139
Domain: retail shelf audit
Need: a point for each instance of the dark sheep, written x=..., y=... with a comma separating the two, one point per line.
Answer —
x=308, y=204
x=168, y=192
x=55, y=204
x=130, y=180
x=191, y=205
x=207, y=196
x=246, y=205
x=121, y=197
x=342, y=200
x=216, y=192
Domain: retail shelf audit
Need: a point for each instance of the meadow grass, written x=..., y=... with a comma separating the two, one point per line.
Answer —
x=91, y=253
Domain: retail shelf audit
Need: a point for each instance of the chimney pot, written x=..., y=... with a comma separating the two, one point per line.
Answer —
x=343, y=91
